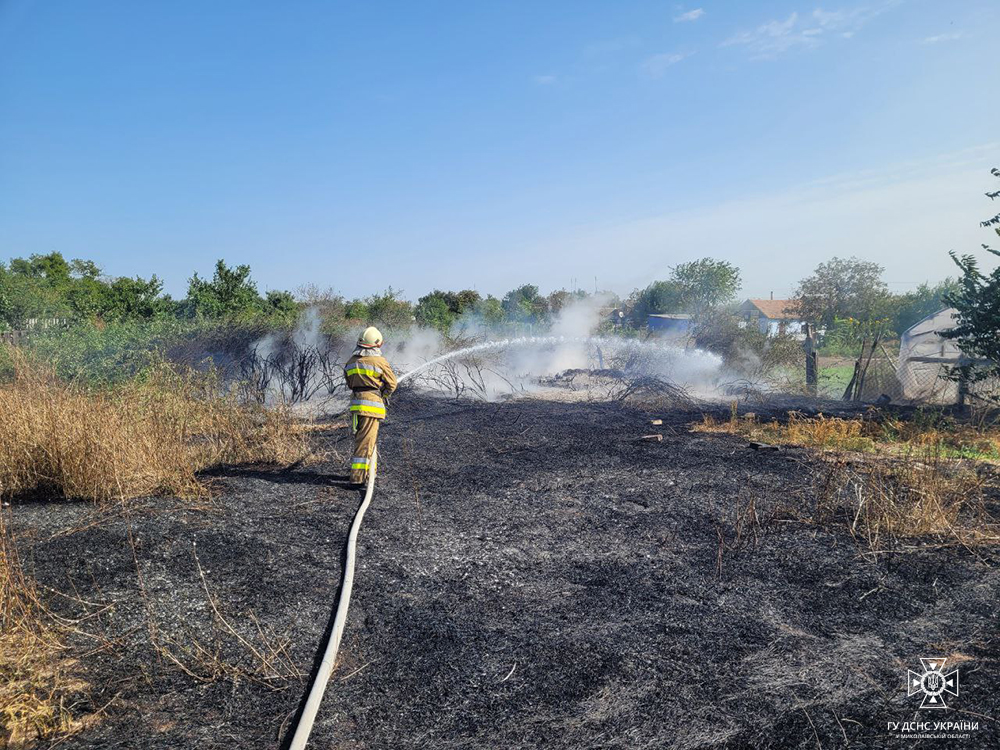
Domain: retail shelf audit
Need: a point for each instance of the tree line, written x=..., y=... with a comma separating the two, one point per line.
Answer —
x=49, y=286
x=840, y=293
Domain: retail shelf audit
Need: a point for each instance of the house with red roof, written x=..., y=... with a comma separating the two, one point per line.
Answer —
x=773, y=316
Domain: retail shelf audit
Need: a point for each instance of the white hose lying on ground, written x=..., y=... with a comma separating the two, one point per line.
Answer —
x=330, y=655
x=305, y=725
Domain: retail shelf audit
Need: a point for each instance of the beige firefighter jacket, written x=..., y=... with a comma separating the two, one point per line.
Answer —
x=372, y=379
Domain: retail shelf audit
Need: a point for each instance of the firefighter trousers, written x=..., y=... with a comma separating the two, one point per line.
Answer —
x=365, y=437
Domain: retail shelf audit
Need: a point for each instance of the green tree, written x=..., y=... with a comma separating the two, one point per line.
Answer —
x=49, y=286
x=910, y=307
x=658, y=298
x=281, y=306
x=389, y=310
x=840, y=288
x=490, y=311
x=558, y=299
x=433, y=310
x=441, y=309
x=525, y=305
x=331, y=305
x=465, y=301
x=230, y=294
x=87, y=297
x=6, y=298
x=693, y=287
x=53, y=268
x=356, y=310
x=706, y=283
x=36, y=287
x=977, y=302
x=84, y=269
x=137, y=299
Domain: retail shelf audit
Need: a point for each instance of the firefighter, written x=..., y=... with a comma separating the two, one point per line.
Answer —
x=369, y=375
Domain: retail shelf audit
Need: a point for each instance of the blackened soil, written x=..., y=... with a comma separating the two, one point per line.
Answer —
x=528, y=576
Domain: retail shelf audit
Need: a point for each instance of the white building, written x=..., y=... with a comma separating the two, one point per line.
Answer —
x=773, y=316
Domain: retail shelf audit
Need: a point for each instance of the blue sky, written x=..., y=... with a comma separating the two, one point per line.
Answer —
x=488, y=144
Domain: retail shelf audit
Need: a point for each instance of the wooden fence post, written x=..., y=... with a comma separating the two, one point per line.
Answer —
x=963, y=382
x=849, y=392
x=812, y=379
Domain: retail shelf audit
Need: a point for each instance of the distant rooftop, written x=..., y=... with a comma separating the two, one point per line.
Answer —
x=775, y=309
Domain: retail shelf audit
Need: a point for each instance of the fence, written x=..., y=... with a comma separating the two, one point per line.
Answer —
x=14, y=338
x=31, y=325
x=878, y=374
x=34, y=324
x=944, y=380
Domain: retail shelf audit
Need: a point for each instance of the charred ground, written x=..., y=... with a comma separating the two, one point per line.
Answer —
x=529, y=575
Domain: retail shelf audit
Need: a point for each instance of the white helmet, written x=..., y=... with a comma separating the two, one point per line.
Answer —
x=370, y=339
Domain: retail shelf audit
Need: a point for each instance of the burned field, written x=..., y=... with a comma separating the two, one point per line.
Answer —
x=529, y=575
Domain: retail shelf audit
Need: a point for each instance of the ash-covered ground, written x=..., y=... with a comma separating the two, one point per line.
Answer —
x=528, y=576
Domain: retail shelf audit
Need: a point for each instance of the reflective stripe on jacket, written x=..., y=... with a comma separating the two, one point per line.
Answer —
x=371, y=379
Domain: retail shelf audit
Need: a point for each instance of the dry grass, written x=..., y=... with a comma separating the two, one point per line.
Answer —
x=887, y=435
x=819, y=432
x=952, y=440
x=743, y=528
x=148, y=437
x=34, y=682
x=885, y=501
x=34, y=670
x=889, y=479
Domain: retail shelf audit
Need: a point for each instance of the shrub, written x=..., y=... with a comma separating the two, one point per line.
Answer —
x=115, y=353
x=389, y=310
x=745, y=348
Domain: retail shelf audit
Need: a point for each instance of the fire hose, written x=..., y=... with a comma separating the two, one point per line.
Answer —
x=305, y=724
x=315, y=697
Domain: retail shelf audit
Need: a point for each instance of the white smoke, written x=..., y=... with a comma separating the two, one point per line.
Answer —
x=418, y=346
x=296, y=367
x=307, y=330
x=581, y=317
x=578, y=319
x=493, y=367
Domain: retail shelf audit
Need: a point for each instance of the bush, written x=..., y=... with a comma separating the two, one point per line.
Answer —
x=441, y=309
x=745, y=348
x=432, y=310
x=389, y=311
x=115, y=353
x=657, y=298
x=104, y=354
